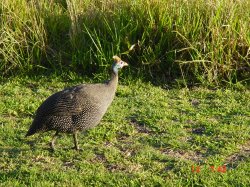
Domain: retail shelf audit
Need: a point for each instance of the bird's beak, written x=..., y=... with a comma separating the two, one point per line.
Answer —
x=125, y=63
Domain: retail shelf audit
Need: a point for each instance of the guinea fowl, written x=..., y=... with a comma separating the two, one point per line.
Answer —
x=77, y=108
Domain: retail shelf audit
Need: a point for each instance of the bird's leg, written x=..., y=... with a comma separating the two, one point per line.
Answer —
x=52, y=143
x=75, y=141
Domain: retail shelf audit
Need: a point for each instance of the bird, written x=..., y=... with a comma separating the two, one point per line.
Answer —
x=77, y=108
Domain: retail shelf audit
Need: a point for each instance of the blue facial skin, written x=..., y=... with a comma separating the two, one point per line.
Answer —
x=117, y=66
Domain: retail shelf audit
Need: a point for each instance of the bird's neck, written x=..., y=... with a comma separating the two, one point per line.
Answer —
x=113, y=80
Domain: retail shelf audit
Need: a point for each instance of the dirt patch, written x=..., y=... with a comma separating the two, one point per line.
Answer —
x=68, y=164
x=99, y=158
x=195, y=102
x=184, y=155
x=139, y=126
x=41, y=159
x=198, y=130
x=234, y=160
x=115, y=167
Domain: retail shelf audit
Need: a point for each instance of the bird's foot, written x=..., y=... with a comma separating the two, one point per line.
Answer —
x=77, y=148
x=52, y=146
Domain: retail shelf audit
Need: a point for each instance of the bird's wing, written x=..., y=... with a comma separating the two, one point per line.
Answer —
x=67, y=102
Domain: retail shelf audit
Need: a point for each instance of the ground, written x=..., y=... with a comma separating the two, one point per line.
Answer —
x=149, y=136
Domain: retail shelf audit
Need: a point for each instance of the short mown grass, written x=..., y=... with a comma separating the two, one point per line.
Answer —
x=150, y=136
x=205, y=42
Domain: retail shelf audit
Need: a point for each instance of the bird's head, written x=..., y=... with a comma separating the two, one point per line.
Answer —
x=118, y=64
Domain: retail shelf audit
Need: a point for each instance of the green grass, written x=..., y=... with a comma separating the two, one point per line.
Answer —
x=204, y=42
x=150, y=136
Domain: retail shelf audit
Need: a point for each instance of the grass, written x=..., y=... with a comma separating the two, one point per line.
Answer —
x=204, y=42
x=150, y=136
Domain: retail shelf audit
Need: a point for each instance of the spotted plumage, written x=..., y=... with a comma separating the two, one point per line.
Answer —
x=77, y=108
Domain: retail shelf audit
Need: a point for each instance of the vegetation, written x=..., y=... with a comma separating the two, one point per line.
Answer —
x=150, y=136
x=201, y=41
x=173, y=135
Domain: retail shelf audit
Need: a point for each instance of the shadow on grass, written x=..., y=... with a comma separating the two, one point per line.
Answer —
x=13, y=152
x=162, y=141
